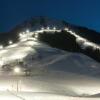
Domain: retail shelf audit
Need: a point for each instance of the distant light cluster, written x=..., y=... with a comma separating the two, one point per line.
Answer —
x=24, y=36
x=27, y=35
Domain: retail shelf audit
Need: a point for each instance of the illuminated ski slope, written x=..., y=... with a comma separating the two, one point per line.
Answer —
x=28, y=40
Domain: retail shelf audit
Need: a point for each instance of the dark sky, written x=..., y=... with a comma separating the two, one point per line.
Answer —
x=79, y=12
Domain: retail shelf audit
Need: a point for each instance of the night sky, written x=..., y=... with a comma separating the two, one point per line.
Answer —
x=79, y=12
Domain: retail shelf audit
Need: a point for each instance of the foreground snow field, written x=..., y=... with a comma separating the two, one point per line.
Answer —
x=39, y=96
x=49, y=86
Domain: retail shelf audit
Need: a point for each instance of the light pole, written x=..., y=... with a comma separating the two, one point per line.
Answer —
x=17, y=70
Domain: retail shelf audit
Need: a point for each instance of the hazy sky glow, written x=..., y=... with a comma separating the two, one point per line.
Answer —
x=79, y=12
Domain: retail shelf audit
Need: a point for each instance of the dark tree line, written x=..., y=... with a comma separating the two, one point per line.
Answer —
x=62, y=40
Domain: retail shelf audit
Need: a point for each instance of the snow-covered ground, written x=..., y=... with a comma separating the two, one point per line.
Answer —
x=49, y=86
x=39, y=96
x=55, y=82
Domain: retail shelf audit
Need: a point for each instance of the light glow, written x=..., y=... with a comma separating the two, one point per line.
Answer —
x=17, y=70
x=27, y=31
x=54, y=28
x=42, y=28
x=48, y=28
x=10, y=42
x=1, y=46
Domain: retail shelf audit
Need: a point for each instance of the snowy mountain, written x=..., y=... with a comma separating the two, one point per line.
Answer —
x=60, y=60
x=73, y=35
x=46, y=43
